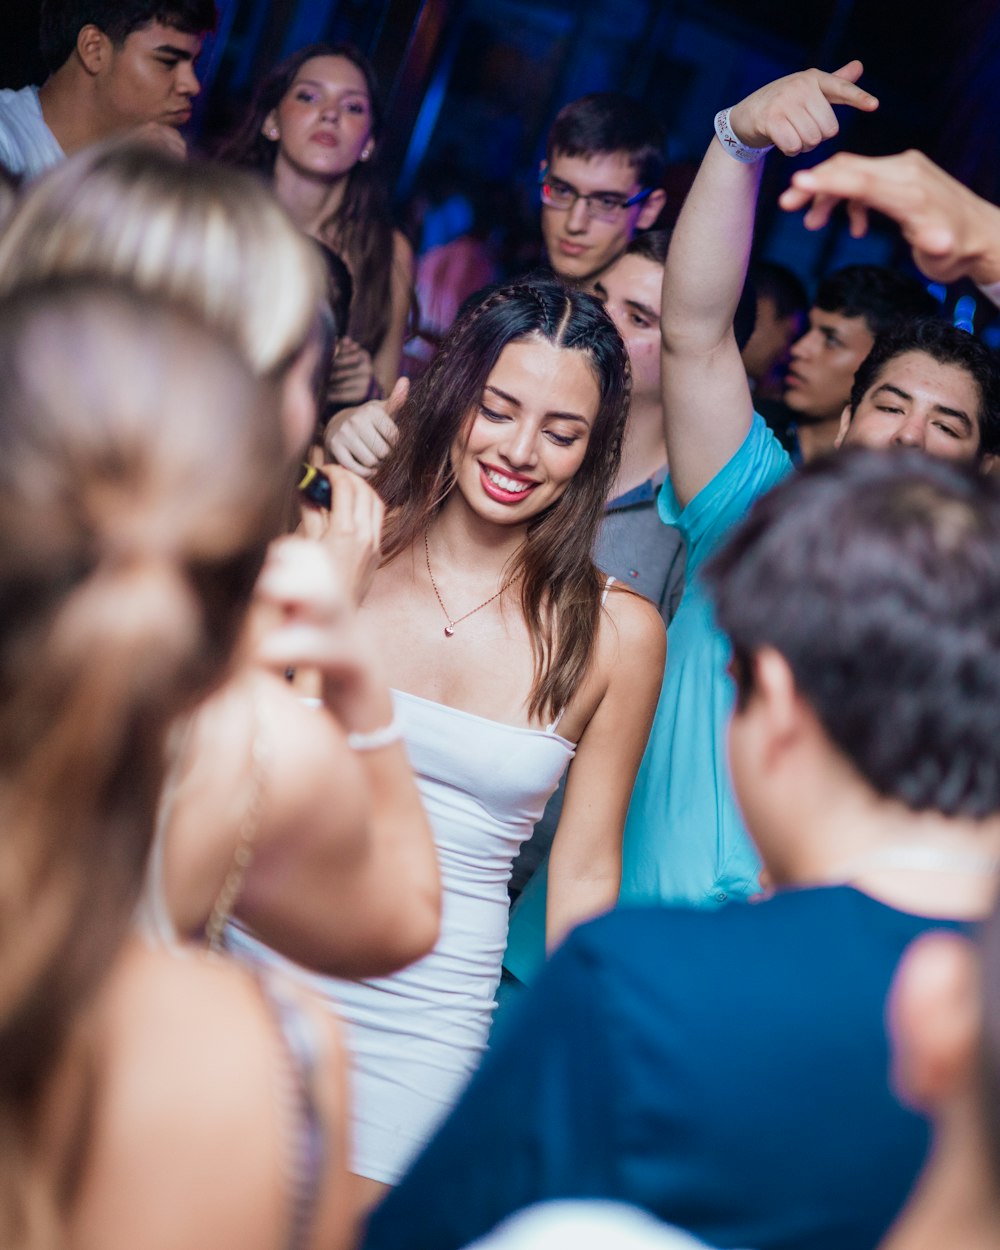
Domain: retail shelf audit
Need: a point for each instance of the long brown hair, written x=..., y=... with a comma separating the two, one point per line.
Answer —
x=361, y=229
x=560, y=587
x=137, y=498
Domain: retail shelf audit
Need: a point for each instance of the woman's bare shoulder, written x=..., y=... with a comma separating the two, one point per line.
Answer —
x=630, y=621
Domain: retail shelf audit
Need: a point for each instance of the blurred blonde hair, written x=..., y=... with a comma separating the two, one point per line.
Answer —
x=212, y=238
x=137, y=500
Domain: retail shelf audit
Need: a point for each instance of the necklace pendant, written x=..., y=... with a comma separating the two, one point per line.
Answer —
x=449, y=630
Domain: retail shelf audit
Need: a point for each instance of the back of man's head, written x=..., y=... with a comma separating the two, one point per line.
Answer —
x=607, y=122
x=62, y=20
x=651, y=245
x=878, y=294
x=948, y=345
x=876, y=575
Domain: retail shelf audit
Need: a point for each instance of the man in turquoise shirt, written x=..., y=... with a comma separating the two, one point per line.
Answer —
x=685, y=841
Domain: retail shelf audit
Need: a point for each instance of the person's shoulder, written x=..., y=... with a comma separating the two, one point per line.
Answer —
x=18, y=98
x=636, y=624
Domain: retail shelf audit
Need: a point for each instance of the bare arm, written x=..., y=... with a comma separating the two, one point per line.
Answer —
x=585, y=863
x=952, y=231
x=706, y=398
x=346, y=878
x=390, y=353
x=344, y=873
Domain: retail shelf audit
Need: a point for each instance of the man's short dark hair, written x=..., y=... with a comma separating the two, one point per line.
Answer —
x=62, y=21
x=948, y=346
x=606, y=122
x=878, y=294
x=651, y=245
x=783, y=288
x=876, y=575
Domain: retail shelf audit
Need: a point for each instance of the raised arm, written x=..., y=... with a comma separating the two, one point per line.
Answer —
x=952, y=231
x=343, y=876
x=706, y=398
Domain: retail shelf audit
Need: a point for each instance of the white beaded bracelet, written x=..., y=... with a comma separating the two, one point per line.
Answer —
x=736, y=148
x=378, y=738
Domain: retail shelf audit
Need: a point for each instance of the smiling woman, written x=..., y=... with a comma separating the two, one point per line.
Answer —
x=509, y=659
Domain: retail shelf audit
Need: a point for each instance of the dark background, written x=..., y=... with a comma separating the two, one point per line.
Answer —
x=471, y=85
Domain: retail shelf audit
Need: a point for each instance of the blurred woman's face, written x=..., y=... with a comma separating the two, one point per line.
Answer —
x=323, y=124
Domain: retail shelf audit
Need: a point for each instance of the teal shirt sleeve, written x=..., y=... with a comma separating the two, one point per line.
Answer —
x=684, y=837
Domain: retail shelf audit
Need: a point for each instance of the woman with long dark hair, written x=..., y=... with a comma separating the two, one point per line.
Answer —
x=314, y=127
x=509, y=659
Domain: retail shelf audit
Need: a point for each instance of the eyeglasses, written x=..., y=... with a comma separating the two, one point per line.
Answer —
x=602, y=205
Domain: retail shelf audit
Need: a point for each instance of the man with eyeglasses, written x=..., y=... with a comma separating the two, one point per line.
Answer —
x=599, y=183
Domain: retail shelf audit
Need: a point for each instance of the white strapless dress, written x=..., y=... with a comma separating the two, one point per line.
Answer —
x=417, y=1036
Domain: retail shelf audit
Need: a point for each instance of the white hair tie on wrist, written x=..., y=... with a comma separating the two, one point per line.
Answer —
x=378, y=738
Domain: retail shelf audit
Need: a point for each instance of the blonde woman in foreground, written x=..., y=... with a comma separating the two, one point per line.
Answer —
x=342, y=874
x=147, y=1100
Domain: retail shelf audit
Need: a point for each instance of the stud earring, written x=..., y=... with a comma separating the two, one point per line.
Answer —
x=273, y=133
x=366, y=153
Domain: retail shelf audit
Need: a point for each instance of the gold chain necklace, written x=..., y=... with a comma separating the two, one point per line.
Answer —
x=449, y=629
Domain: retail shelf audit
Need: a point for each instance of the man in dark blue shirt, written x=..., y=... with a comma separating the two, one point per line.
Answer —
x=728, y=1071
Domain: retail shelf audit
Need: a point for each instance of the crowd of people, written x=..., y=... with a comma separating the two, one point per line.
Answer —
x=552, y=801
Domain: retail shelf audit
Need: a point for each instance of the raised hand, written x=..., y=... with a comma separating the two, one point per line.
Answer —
x=953, y=233
x=350, y=530
x=361, y=438
x=351, y=375
x=305, y=619
x=795, y=113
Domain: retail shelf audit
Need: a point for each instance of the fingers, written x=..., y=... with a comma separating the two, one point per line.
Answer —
x=366, y=438
x=309, y=604
x=842, y=177
x=840, y=87
x=351, y=448
x=357, y=509
x=857, y=217
x=793, y=198
x=298, y=573
x=850, y=72
x=397, y=397
x=348, y=461
x=795, y=113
